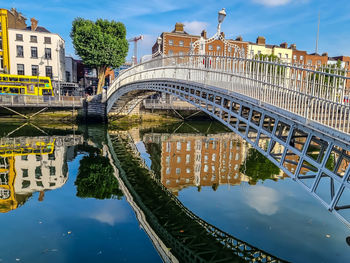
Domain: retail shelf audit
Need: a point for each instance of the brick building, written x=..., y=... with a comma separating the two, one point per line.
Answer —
x=178, y=42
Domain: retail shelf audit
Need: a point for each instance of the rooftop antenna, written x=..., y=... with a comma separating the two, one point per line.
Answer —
x=318, y=32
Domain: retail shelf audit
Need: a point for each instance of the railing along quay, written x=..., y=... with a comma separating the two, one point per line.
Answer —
x=40, y=101
x=320, y=95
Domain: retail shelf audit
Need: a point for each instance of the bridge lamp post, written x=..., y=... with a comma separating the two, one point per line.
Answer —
x=221, y=17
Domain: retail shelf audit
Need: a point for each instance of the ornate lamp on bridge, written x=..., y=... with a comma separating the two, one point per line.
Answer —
x=201, y=43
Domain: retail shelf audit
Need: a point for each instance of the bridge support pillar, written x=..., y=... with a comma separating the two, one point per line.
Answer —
x=94, y=110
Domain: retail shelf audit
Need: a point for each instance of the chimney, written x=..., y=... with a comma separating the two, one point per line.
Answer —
x=239, y=38
x=293, y=46
x=34, y=24
x=260, y=40
x=204, y=34
x=284, y=45
x=325, y=54
x=222, y=34
x=179, y=27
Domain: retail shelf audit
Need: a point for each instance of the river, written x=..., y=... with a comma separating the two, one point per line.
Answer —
x=97, y=195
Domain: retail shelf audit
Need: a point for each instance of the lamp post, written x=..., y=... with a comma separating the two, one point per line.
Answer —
x=221, y=17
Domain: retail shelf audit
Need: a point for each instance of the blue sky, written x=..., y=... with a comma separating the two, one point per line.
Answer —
x=293, y=21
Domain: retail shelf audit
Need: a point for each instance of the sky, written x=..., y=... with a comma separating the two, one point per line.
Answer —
x=291, y=21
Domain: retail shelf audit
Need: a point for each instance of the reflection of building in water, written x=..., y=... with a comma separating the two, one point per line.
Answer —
x=202, y=160
x=30, y=165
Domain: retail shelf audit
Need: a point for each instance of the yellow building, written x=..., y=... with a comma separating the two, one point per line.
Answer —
x=260, y=47
x=4, y=44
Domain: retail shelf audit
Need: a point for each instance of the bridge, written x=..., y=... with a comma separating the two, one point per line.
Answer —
x=177, y=233
x=296, y=116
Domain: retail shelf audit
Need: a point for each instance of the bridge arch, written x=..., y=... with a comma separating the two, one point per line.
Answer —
x=247, y=101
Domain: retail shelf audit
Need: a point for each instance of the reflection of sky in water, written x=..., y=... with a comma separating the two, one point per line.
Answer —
x=65, y=228
x=143, y=153
x=278, y=217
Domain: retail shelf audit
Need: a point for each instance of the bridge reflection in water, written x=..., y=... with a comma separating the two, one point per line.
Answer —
x=32, y=164
x=177, y=233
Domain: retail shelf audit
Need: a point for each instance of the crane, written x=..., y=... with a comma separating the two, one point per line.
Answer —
x=135, y=39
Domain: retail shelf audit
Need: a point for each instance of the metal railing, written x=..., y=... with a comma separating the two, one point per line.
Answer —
x=42, y=101
x=321, y=95
x=160, y=104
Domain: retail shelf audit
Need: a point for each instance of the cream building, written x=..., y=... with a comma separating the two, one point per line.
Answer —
x=260, y=47
x=36, y=51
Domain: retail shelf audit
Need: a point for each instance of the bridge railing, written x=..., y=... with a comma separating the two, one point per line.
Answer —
x=44, y=101
x=320, y=94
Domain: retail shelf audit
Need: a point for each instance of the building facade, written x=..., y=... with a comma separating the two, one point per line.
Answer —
x=178, y=42
x=4, y=44
x=36, y=51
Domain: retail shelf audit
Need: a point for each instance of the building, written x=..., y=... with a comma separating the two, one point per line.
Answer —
x=179, y=42
x=260, y=47
x=4, y=44
x=36, y=51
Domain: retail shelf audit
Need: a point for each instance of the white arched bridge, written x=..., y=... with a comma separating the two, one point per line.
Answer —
x=297, y=116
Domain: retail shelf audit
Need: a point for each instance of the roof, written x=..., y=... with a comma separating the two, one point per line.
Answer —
x=39, y=29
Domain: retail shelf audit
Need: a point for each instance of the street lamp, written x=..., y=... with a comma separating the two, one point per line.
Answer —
x=221, y=17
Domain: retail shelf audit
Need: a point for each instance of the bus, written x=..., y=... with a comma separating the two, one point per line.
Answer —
x=25, y=85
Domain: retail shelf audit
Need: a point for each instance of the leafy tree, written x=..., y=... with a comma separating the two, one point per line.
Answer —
x=96, y=180
x=100, y=45
x=258, y=167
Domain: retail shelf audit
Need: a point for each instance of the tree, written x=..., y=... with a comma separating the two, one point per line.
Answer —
x=100, y=45
x=258, y=167
x=96, y=179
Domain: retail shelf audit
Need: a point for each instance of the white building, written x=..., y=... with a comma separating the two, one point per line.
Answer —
x=36, y=51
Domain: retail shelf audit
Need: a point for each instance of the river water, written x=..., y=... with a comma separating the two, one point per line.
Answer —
x=97, y=195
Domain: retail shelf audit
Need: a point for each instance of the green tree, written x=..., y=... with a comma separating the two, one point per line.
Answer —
x=96, y=179
x=101, y=44
x=258, y=167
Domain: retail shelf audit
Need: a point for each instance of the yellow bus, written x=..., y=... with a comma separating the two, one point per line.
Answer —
x=25, y=85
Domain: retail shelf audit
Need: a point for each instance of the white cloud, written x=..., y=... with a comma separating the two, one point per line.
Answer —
x=272, y=2
x=110, y=214
x=195, y=27
x=263, y=199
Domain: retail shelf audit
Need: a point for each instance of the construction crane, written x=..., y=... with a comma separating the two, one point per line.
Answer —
x=135, y=39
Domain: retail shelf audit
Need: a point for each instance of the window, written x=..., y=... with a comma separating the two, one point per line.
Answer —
x=38, y=157
x=0, y=42
x=252, y=53
x=229, y=49
x=213, y=157
x=33, y=39
x=187, y=158
x=280, y=55
x=19, y=37
x=301, y=57
x=206, y=168
x=67, y=76
x=24, y=172
x=52, y=157
x=178, y=146
x=52, y=170
x=47, y=40
x=259, y=52
x=171, y=42
x=181, y=43
x=319, y=62
x=181, y=53
x=167, y=170
x=48, y=71
x=295, y=57
x=309, y=62
x=34, y=52
x=286, y=55
x=47, y=53
x=168, y=147
x=167, y=160
x=20, y=71
x=178, y=159
x=38, y=173
x=20, y=51
x=188, y=170
x=178, y=170
x=171, y=53
x=188, y=146
x=214, y=145
x=210, y=47
x=205, y=158
x=218, y=48
x=35, y=72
